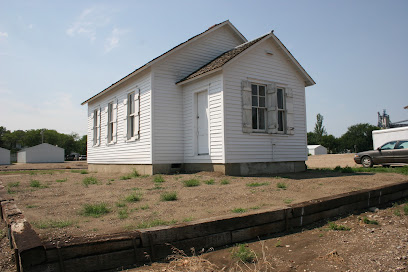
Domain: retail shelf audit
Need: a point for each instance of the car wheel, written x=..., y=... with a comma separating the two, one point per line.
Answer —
x=367, y=162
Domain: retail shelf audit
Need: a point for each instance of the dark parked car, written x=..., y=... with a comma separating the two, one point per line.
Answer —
x=82, y=158
x=389, y=153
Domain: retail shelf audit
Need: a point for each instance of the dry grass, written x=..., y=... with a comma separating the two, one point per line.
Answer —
x=180, y=262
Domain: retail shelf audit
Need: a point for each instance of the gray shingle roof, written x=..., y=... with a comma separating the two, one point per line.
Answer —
x=222, y=59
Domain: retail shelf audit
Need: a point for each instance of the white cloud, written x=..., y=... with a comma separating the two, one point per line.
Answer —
x=88, y=22
x=113, y=40
x=3, y=34
x=30, y=26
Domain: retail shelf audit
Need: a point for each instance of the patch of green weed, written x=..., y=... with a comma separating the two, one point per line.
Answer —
x=243, y=253
x=158, y=178
x=89, y=180
x=257, y=184
x=95, y=210
x=191, y=182
x=168, y=196
x=239, y=210
x=224, y=182
x=209, y=182
x=53, y=224
x=134, y=197
x=281, y=185
x=334, y=226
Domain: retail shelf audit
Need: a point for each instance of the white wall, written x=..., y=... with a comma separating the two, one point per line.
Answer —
x=4, y=156
x=257, y=66
x=168, y=129
x=42, y=153
x=317, y=150
x=383, y=136
x=213, y=85
x=123, y=151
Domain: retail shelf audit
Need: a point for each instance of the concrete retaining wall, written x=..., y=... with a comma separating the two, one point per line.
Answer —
x=138, y=247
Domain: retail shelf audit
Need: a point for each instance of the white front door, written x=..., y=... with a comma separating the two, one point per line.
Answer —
x=202, y=123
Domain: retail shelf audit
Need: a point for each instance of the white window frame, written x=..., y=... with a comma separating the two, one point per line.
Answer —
x=96, y=127
x=258, y=107
x=110, y=123
x=131, y=115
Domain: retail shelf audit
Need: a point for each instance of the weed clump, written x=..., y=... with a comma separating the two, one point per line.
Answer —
x=191, y=182
x=89, y=180
x=224, y=182
x=257, y=184
x=95, y=210
x=158, y=179
x=168, y=196
x=243, y=253
x=239, y=210
x=134, y=197
x=53, y=224
x=334, y=226
x=281, y=185
x=37, y=184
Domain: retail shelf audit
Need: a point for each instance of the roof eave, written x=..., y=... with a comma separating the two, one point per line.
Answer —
x=174, y=49
x=309, y=80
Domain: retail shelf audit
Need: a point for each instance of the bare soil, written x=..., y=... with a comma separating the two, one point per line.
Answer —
x=61, y=196
x=365, y=247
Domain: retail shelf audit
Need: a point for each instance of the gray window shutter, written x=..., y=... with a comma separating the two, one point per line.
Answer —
x=115, y=119
x=272, y=108
x=137, y=112
x=125, y=120
x=290, y=116
x=246, y=107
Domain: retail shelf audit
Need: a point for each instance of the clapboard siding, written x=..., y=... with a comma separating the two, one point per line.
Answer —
x=123, y=152
x=213, y=85
x=243, y=147
x=168, y=128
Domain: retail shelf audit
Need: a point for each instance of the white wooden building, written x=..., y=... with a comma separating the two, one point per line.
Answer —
x=215, y=102
x=4, y=156
x=42, y=153
x=317, y=150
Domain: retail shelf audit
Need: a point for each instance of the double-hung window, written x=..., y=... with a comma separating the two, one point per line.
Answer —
x=95, y=127
x=267, y=108
x=258, y=107
x=110, y=122
x=131, y=125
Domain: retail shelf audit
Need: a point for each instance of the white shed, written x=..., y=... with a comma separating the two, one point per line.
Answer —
x=317, y=149
x=4, y=156
x=41, y=153
x=216, y=102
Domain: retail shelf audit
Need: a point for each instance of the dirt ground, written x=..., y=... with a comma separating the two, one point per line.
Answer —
x=331, y=161
x=55, y=205
x=365, y=247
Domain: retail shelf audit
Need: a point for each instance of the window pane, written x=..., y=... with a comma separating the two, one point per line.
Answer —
x=280, y=99
x=131, y=126
x=254, y=89
x=262, y=101
x=389, y=145
x=262, y=90
x=261, y=113
x=280, y=121
x=254, y=101
x=254, y=118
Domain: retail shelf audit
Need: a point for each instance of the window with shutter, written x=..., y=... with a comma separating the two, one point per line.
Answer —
x=267, y=108
x=110, y=123
x=96, y=128
x=133, y=116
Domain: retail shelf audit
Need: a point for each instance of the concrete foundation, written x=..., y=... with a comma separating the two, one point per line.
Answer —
x=231, y=169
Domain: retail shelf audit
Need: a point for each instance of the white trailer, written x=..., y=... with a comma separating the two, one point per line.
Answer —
x=383, y=136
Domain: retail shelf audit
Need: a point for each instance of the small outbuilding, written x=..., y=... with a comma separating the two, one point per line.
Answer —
x=42, y=153
x=317, y=149
x=4, y=156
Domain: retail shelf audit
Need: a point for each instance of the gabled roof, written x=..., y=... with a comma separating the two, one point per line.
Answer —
x=138, y=70
x=218, y=63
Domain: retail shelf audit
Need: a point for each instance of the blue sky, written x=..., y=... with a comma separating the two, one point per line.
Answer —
x=56, y=54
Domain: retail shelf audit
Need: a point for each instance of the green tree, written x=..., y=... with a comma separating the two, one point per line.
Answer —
x=312, y=138
x=331, y=143
x=319, y=129
x=358, y=138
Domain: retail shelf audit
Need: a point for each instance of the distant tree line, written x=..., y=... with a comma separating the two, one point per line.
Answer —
x=357, y=138
x=19, y=139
